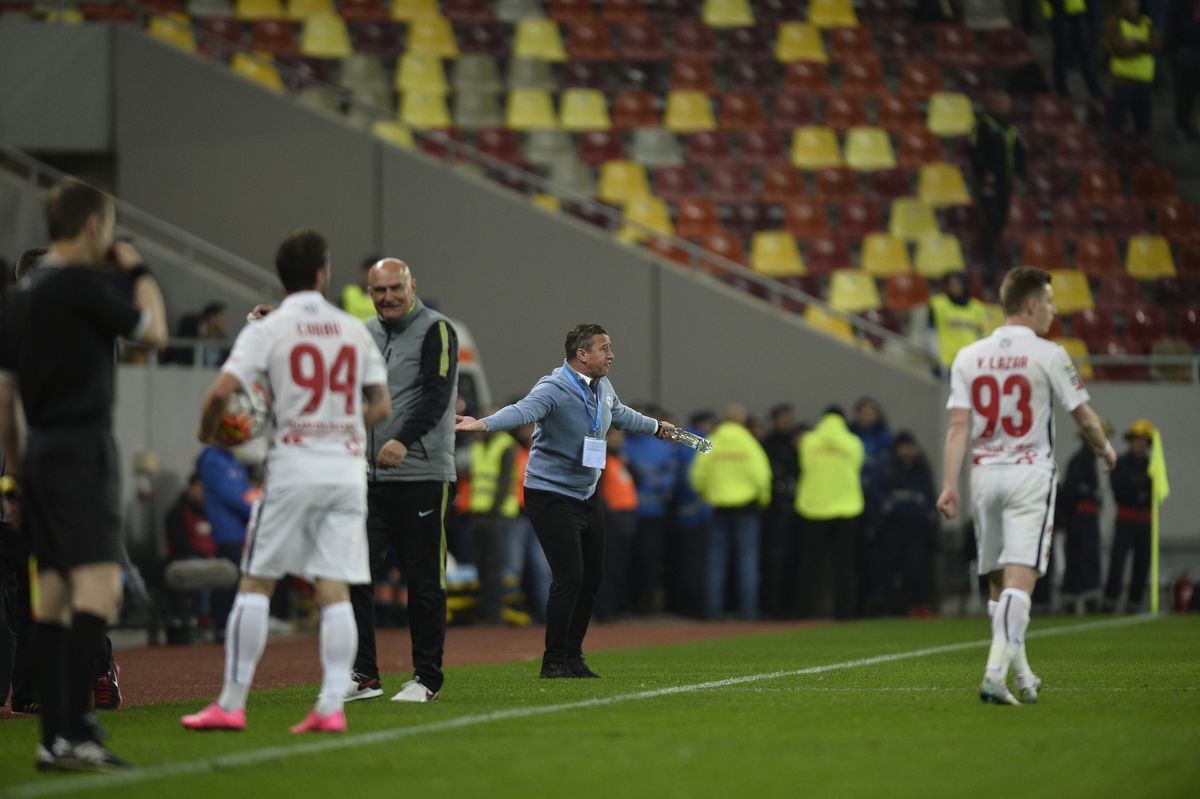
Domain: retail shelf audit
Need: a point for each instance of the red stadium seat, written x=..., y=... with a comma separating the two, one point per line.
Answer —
x=919, y=147
x=696, y=41
x=673, y=183
x=642, y=41
x=807, y=78
x=275, y=36
x=709, y=147
x=1093, y=326
x=772, y=12
x=696, y=218
x=1115, y=347
x=502, y=144
x=828, y=253
x=1188, y=262
x=668, y=249
x=962, y=221
x=919, y=79
x=1049, y=182
x=726, y=245
x=1177, y=220
x=859, y=217
x=900, y=115
x=1117, y=291
x=1096, y=256
x=1051, y=114
x=781, y=183
x=883, y=317
x=730, y=183
x=954, y=45
x=748, y=218
x=851, y=44
x=634, y=76
x=901, y=43
x=359, y=10
x=469, y=11
x=762, y=147
x=1100, y=187
x=623, y=11
x=890, y=184
x=1189, y=326
x=569, y=12
x=1070, y=220
x=693, y=75
x=1043, y=251
x=97, y=12
x=1022, y=220
x=843, y=113
x=1077, y=149
x=1144, y=325
x=672, y=10
x=1152, y=185
x=863, y=77
x=483, y=38
x=634, y=109
x=742, y=111
x=1007, y=48
x=903, y=293
x=806, y=219
x=752, y=75
x=584, y=75
x=1123, y=219
x=1171, y=293
x=837, y=184
x=749, y=44
x=226, y=36
x=590, y=41
x=598, y=146
x=792, y=111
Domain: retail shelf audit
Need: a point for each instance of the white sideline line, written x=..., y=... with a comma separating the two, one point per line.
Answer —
x=237, y=759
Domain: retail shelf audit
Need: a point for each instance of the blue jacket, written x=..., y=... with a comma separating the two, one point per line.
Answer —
x=562, y=420
x=654, y=468
x=227, y=488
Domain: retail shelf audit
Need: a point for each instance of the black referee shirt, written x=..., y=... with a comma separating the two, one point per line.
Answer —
x=58, y=338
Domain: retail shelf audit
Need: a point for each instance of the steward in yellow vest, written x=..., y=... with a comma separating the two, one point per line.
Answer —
x=493, y=506
x=356, y=300
x=957, y=319
x=1132, y=43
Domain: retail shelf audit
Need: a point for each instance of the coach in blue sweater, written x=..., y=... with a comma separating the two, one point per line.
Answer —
x=572, y=408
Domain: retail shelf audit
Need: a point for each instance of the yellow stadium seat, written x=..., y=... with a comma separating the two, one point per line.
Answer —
x=727, y=13
x=408, y=10
x=1149, y=258
x=853, y=291
x=584, y=109
x=1071, y=291
x=259, y=68
x=421, y=73
x=645, y=216
x=547, y=202
x=829, y=324
x=688, y=111
x=530, y=109
x=259, y=9
x=884, y=255
x=396, y=133
x=174, y=29
x=424, y=111
x=774, y=253
x=993, y=317
x=942, y=184
x=815, y=148
x=432, y=36
x=539, y=39
x=832, y=14
x=911, y=219
x=869, y=149
x=621, y=181
x=939, y=254
x=65, y=16
x=303, y=9
x=1078, y=351
x=950, y=114
x=325, y=36
x=799, y=41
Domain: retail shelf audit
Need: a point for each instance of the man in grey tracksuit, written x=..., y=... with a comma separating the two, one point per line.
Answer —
x=410, y=472
x=572, y=408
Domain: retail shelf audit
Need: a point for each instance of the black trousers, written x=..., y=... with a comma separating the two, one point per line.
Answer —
x=1135, y=537
x=1082, y=570
x=16, y=636
x=1186, y=66
x=410, y=516
x=490, y=536
x=1072, y=36
x=572, y=534
x=993, y=215
x=828, y=566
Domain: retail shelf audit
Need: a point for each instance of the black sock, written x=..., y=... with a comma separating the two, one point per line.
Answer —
x=84, y=640
x=49, y=668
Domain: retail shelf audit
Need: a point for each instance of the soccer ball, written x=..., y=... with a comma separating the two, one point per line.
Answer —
x=245, y=417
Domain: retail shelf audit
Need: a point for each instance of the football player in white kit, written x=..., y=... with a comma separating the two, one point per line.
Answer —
x=1002, y=394
x=329, y=385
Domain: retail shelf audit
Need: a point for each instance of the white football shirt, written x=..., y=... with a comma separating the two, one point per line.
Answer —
x=314, y=359
x=1010, y=381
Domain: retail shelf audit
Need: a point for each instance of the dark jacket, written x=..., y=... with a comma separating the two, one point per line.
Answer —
x=995, y=148
x=1183, y=26
x=1079, y=494
x=907, y=494
x=1131, y=482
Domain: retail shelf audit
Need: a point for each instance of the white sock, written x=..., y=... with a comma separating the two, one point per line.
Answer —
x=245, y=640
x=992, y=605
x=1008, y=632
x=339, y=643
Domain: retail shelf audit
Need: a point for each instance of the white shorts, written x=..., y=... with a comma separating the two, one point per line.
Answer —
x=1014, y=515
x=309, y=531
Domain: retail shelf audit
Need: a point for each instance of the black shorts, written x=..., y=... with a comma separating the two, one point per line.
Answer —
x=72, y=487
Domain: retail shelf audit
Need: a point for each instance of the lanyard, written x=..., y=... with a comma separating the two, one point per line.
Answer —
x=594, y=421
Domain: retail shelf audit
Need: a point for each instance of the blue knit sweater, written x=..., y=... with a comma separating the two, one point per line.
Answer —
x=562, y=421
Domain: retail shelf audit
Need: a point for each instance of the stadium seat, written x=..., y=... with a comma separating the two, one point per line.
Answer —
x=1144, y=325
x=645, y=216
x=468, y=11
x=963, y=222
x=727, y=13
x=761, y=148
x=900, y=43
x=837, y=184
x=225, y=35
x=590, y=41
x=920, y=80
x=1051, y=114
x=748, y=218
x=500, y=143
x=174, y=29
x=1171, y=293
x=869, y=149
x=726, y=245
x=1123, y=219
x=832, y=14
x=1152, y=184
x=755, y=76
x=1069, y=219
x=576, y=176
x=942, y=184
x=792, y=111
x=476, y=72
x=530, y=109
x=807, y=78
x=484, y=38
x=798, y=41
x=377, y=39
x=696, y=41
x=621, y=181
x=634, y=109
x=583, y=109
x=1071, y=291
x=858, y=217
x=259, y=9
x=1093, y=326
x=395, y=133
x=742, y=111
x=693, y=76
x=883, y=317
x=1189, y=326
x=950, y=114
x=476, y=109
x=361, y=69
x=1096, y=255
x=1177, y=220
x=709, y=147
x=274, y=36
x=1078, y=350
x=432, y=36
x=919, y=147
x=598, y=146
x=421, y=73
x=863, y=77
x=629, y=76
x=829, y=324
x=852, y=291
x=408, y=10
x=1023, y=219
x=1007, y=48
x=815, y=148
x=1044, y=251
x=772, y=12
x=544, y=147
x=890, y=184
x=851, y=44
x=903, y=293
x=623, y=11
x=1124, y=372
x=517, y=10
x=303, y=9
x=900, y=114
x=911, y=219
x=884, y=255
x=697, y=217
x=675, y=183
x=422, y=111
x=1100, y=186
x=538, y=39
x=585, y=75
x=655, y=147
x=746, y=45
x=730, y=183
x=939, y=254
x=1189, y=257
x=1149, y=258
x=781, y=183
x=1117, y=291
x=774, y=253
x=1076, y=149
x=828, y=254
x=642, y=41
x=566, y=12
x=805, y=218
x=843, y=113
x=257, y=68
x=954, y=45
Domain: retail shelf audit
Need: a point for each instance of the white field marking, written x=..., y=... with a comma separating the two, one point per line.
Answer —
x=331, y=744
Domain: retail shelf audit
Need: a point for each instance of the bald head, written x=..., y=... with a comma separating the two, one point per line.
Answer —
x=392, y=288
x=735, y=412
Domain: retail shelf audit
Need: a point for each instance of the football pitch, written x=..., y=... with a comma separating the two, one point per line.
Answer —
x=872, y=709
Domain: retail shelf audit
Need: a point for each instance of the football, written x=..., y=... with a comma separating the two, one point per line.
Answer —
x=245, y=417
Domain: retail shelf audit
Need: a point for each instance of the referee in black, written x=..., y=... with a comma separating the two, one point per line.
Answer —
x=57, y=350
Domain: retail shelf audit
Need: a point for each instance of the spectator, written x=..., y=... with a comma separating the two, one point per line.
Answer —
x=997, y=154
x=1071, y=29
x=872, y=429
x=1183, y=44
x=689, y=531
x=493, y=507
x=1132, y=42
x=654, y=468
x=780, y=445
x=735, y=479
x=1131, y=489
x=956, y=319
x=526, y=559
x=214, y=324
x=619, y=492
x=829, y=503
x=909, y=517
x=1077, y=515
x=189, y=537
x=356, y=297
x=228, y=500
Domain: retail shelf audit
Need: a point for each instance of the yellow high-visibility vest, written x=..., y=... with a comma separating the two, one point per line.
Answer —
x=486, y=459
x=1071, y=7
x=1139, y=67
x=357, y=302
x=957, y=325
x=831, y=460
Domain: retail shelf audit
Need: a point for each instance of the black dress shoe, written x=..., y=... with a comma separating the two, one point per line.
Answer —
x=580, y=669
x=556, y=671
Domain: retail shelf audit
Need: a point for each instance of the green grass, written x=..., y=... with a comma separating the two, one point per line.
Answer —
x=1119, y=716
